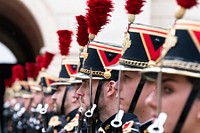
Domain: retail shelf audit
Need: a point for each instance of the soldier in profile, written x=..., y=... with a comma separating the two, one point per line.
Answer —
x=66, y=103
x=180, y=79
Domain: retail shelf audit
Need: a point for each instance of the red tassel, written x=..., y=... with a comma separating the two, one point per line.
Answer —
x=82, y=31
x=65, y=39
x=187, y=3
x=39, y=61
x=31, y=70
x=134, y=6
x=183, y=5
x=8, y=82
x=18, y=72
x=97, y=15
x=47, y=59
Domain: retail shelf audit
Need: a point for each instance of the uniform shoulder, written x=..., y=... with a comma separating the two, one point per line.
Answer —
x=72, y=124
x=54, y=121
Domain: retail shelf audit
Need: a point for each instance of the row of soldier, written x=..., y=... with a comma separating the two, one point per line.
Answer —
x=150, y=84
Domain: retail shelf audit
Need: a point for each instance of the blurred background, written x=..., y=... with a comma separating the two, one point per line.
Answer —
x=28, y=28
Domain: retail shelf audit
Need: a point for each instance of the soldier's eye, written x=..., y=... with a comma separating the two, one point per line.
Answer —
x=85, y=83
x=127, y=77
x=167, y=90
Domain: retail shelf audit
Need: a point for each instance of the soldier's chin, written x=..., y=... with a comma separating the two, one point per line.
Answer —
x=57, y=111
x=33, y=106
x=84, y=108
x=124, y=108
x=55, y=108
x=87, y=107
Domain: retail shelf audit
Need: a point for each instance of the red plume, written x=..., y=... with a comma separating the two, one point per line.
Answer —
x=97, y=15
x=47, y=59
x=183, y=5
x=82, y=30
x=134, y=6
x=31, y=70
x=8, y=82
x=39, y=61
x=187, y=3
x=18, y=72
x=65, y=39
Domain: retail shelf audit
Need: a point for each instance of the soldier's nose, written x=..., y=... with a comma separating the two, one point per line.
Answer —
x=54, y=96
x=151, y=100
x=80, y=92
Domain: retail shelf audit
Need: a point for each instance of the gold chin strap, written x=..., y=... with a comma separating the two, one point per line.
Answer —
x=117, y=121
x=170, y=42
x=157, y=126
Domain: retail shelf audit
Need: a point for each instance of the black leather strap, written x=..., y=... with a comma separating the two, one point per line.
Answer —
x=187, y=107
x=137, y=95
x=96, y=100
x=62, y=109
x=98, y=92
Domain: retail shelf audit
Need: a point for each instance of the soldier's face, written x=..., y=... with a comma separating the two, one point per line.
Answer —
x=19, y=100
x=129, y=82
x=128, y=85
x=48, y=100
x=70, y=98
x=84, y=92
x=58, y=97
x=37, y=98
x=174, y=93
x=27, y=102
x=142, y=110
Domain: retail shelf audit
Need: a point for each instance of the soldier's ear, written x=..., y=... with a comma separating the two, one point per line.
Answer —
x=111, y=90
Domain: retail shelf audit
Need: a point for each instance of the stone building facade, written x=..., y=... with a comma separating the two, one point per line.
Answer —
x=28, y=27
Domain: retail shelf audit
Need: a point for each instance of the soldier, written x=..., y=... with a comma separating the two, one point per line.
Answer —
x=41, y=95
x=142, y=46
x=26, y=95
x=65, y=98
x=40, y=88
x=43, y=63
x=100, y=52
x=180, y=79
x=24, y=98
x=25, y=111
x=66, y=103
x=101, y=80
x=45, y=81
x=17, y=106
x=49, y=101
x=9, y=102
x=48, y=90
